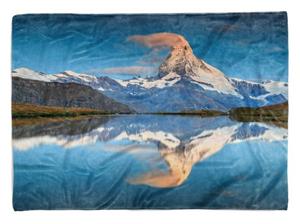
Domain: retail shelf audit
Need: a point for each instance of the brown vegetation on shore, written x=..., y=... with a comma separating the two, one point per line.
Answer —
x=274, y=114
x=34, y=111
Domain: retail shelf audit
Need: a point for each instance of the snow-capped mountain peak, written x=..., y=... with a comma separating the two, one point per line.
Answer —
x=183, y=62
x=27, y=73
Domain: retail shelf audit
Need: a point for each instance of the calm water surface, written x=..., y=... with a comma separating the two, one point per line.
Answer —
x=150, y=161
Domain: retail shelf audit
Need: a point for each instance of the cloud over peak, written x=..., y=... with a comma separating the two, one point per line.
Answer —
x=158, y=40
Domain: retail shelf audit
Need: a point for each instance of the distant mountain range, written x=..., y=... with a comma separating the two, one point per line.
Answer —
x=183, y=83
x=56, y=94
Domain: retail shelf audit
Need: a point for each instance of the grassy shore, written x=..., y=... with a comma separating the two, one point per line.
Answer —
x=34, y=111
x=274, y=114
x=45, y=120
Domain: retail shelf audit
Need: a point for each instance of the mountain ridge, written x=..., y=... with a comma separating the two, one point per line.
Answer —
x=63, y=95
x=139, y=91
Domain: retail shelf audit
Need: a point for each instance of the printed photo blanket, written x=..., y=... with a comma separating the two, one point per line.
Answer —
x=150, y=111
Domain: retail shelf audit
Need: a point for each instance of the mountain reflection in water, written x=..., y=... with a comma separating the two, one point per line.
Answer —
x=160, y=152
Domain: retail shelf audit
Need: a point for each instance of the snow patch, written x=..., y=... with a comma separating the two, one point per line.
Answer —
x=166, y=81
x=26, y=73
x=276, y=88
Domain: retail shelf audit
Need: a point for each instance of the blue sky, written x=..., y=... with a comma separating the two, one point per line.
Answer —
x=248, y=46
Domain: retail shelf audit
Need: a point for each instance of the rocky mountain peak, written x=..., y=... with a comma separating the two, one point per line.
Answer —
x=180, y=60
x=184, y=63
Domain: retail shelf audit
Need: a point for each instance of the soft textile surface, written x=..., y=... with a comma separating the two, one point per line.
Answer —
x=150, y=111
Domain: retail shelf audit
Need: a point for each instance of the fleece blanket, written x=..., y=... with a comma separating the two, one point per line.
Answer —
x=150, y=111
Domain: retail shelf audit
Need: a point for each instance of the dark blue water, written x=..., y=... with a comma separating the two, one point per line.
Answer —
x=148, y=161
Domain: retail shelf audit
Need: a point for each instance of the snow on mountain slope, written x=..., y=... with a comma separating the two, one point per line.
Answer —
x=76, y=77
x=67, y=76
x=166, y=81
x=276, y=88
x=261, y=91
x=26, y=73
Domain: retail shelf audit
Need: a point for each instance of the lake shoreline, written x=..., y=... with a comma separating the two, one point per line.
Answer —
x=26, y=114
